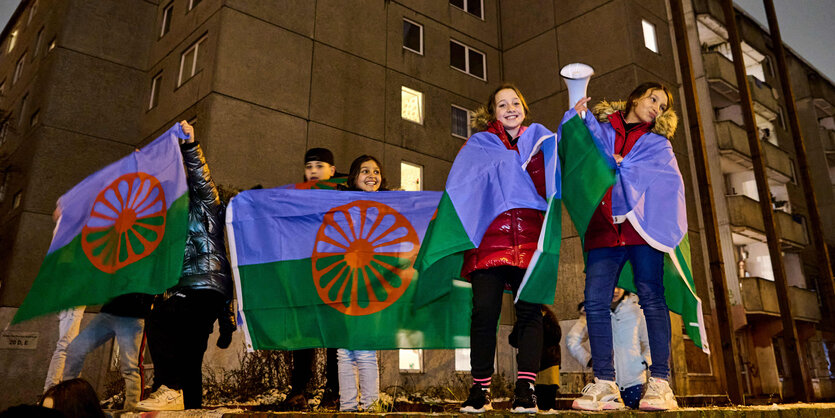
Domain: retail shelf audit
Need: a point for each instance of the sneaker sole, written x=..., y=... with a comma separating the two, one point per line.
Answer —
x=613, y=406
x=523, y=410
x=645, y=407
x=471, y=410
x=583, y=406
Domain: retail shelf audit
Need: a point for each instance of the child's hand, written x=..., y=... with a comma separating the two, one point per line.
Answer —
x=581, y=107
x=188, y=130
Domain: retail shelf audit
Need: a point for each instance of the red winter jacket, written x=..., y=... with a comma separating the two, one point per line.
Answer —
x=511, y=238
x=602, y=231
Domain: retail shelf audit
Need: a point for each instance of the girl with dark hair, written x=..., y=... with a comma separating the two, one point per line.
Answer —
x=501, y=258
x=639, y=219
x=366, y=175
x=75, y=398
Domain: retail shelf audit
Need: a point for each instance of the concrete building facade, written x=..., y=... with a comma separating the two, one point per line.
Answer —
x=85, y=82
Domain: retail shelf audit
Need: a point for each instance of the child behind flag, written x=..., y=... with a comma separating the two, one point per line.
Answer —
x=499, y=263
x=366, y=175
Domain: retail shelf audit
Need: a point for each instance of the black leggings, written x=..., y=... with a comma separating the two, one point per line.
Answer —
x=488, y=286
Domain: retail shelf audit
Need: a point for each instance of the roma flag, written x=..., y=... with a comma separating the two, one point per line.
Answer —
x=323, y=268
x=122, y=230
x=330, y=184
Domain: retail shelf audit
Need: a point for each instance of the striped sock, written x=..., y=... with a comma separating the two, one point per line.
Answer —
x=526, y=376
x=484, y=383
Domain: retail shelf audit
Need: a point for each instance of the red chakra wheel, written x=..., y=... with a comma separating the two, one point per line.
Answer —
x=127, y=222
x=363, y=257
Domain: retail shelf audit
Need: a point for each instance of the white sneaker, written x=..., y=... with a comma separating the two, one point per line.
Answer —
x=658, y=397
x=164, y=399
x=600, y=395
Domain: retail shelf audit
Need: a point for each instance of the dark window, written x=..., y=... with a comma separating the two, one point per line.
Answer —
x=458, y=56
x=166, y=20
x=35, y=117
x=413, y=36
x=467, y=60
x=155, y=87
x=476, y=65
x=193, y=3
x=460, y=122
x=473, y=7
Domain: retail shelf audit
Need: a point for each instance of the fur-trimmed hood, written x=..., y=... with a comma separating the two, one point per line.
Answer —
x=665, y=125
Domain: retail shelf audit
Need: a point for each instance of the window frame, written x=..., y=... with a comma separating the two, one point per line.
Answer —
x=196, y=47
x=167, y=16
x=469, y=128
x=405, y=20
x=34, y=118
x=23, y=102
x=18, y=69
x=32, y=11
x=464, y=2
x=156, y=83
x=38, y=41
x=420, y=175
x=467, y=50
x=192, y=4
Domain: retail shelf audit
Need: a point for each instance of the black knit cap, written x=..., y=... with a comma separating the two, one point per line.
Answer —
x=319, y=154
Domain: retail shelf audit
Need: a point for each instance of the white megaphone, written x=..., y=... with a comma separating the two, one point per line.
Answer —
x=576, y=78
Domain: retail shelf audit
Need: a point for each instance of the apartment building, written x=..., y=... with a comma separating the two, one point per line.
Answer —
x=82, y=83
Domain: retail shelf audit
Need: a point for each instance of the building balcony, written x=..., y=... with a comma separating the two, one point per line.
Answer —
x=763, y=97
x=733, y=145
x=759, y=297
x=721, y=77
x=746, y=220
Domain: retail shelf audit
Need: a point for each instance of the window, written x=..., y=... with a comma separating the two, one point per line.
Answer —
x=23, y=103
x=468, y=60
x=18, y=197
x=193, y=3
x=411, y=177
x=18, y=69
x=781, y=118
x=649, y=36
x=411, y=361
x=37, y=46
x=462, y=359
x=188, y=62
x=156, y=82
x=460, y=122
x=2, y=87
x=51, y=45
x=12, y=40
x=166, y=20
x=473, y=7
x=32, y=12
x=413, y=36
x=35, y=118
x=411, y=105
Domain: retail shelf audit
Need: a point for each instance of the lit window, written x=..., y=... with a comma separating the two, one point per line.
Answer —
x=51, y=45
x=411, y=361
x=462, y=359
x=32, y=12
x=38, y=40
x=193, y=3
x=411, y=105
x=35, y=118
x=166, y=20
x=18, y=197
x=188, y=62
x=468, y=60
x=460, y=122
x=18, y=69
x=12, y=40
x=411, y=177
x=473, y=7
x=156, y=82
x=413, y=36
x=649, y=36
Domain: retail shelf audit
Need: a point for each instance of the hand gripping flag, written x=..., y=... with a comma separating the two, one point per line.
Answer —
x=122, y=230
x=649, y=193
x=323, y=268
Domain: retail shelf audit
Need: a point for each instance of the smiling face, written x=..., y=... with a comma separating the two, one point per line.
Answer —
x=369, y=178
x=649, y=106
x=509, y=110
x=318, y=170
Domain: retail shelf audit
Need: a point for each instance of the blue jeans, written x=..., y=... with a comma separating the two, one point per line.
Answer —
x=603, y=268
x=365, y=362
x=128, y=334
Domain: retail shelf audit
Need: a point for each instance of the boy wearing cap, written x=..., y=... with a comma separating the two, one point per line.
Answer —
x=318, y=164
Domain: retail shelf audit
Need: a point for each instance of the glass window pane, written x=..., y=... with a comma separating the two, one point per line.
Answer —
x=457, y=56
x=649, y=36
x=411, y=105
x=411, y=177
x=188, y=64
x=460, y=121
x=457, y=3
x=411, y=36
x=476, y=64
x=474, y=7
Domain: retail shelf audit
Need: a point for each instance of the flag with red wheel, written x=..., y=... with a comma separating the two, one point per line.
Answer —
x=121, y=230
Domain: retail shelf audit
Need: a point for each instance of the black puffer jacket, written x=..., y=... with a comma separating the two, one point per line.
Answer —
x=205, y=264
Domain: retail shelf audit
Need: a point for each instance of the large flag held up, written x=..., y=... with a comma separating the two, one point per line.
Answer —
x=322, y=268
x=122, y=230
